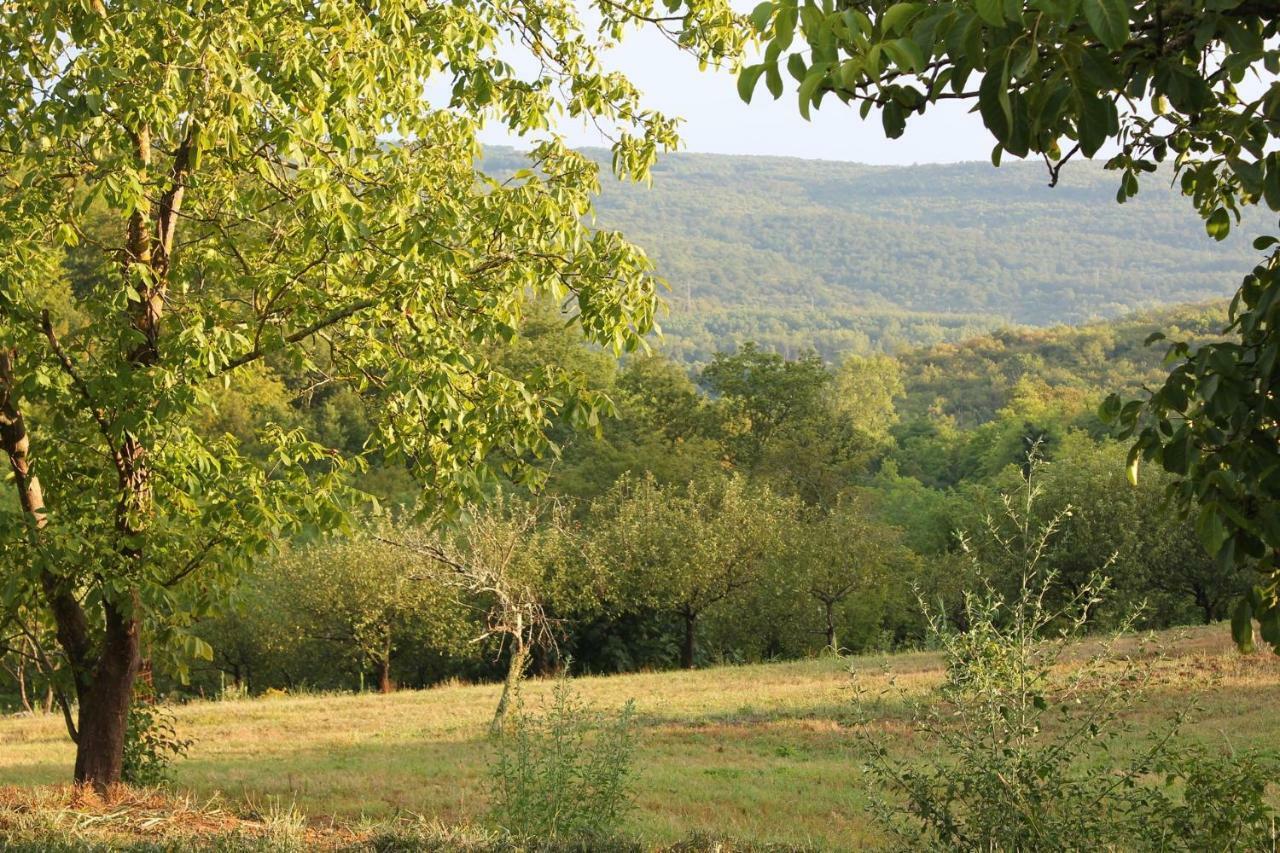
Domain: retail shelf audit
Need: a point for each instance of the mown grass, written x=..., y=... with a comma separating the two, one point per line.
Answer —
x=756, y=752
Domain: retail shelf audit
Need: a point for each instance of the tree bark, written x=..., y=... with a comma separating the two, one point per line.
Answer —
x=105, y=701
x=832, y=643
x=688, y=649
x=515, y=671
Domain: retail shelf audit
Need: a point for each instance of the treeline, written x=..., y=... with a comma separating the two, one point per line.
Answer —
x=762, y=507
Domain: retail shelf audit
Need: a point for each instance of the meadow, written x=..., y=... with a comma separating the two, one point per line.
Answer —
x=765, y=753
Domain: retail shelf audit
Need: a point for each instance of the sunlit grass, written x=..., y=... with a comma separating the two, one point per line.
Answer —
x=763, y=752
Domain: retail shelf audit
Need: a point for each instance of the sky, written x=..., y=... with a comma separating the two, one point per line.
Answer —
x=716, y=121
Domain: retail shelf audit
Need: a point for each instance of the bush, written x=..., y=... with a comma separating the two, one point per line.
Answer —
x=1024, y=748
x=564, y=774
x=151, y=742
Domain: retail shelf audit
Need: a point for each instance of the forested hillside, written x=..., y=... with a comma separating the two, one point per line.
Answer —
x=844, y=257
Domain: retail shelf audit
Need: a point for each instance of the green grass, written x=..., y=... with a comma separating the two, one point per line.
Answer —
x=758, y=752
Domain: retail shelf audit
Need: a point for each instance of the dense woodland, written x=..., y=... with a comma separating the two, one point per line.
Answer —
x=843, y=257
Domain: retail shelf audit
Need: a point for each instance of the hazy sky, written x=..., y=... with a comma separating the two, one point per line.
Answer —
x=717, y=121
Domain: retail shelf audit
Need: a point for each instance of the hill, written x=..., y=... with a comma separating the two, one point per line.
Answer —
x=847, y=257
x=972, y=380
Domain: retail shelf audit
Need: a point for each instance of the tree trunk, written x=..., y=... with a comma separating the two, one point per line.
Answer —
x=385, y=684
x=832, y=643
x=515, y=672
x=48, y=698
x=690, y=638
x=105, y=701
x=384, y=675
x=20, y=675
x=1206, y=606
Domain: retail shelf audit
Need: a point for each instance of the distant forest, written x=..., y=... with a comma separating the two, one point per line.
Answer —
x=847, y=258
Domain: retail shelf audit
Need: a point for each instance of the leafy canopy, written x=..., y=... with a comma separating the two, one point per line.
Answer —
x=189, y=189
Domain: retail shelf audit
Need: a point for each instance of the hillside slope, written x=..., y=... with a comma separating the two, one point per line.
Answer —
x=848, y=257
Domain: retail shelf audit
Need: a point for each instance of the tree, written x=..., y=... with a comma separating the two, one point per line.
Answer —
x=1184, y=80
x=367, y=597
x=1153, y=553
x=784, y=421
x=760, y=393
x=519, y=562
x=291, y=182
x=846, y=558
x=865, y=388
x=687, y=549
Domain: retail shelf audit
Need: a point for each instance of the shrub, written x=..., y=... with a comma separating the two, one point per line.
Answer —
x=151, y=742
x=1024, y=750
x=564, y=774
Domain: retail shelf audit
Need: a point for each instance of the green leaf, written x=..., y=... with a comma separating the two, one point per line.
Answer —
x=1269, y=627
x=897, y=16
x=773, y=80
x=906, y=54
x=809, y=86
x=1218, y=224
x=1242, y=625
x=747, y=80
x=1109, y=20
x=991, y=11
x=1093, y=124
x=761, y=14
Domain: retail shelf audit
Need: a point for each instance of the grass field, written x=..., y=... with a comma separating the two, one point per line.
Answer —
x=760, y=752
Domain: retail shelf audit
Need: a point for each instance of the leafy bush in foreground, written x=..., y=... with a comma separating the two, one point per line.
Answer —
x=564, y=774
x=1021, y=737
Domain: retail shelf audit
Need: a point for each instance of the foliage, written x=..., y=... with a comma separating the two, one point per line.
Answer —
x=687, y=550
x=1023, y=738
x=367, y=599
x=564, y=774
x=151, y=743
x=190, y=190
x=843, y=258
x=832, y=579
x=1054, y=79
x=1214, y=424
x=1191, y=82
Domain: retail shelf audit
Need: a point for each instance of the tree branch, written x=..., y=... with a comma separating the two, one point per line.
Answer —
x=69, y=368
x=335, y=316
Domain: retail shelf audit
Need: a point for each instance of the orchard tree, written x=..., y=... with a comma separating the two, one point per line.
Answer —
x=368, y=597
x=687, y=549
x=842, y=562
x=1189, y=83
x=293, y=181
x=519, y=563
